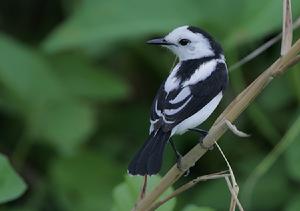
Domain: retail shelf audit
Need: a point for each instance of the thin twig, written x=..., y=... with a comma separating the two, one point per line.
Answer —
x=189, y=185
x=262, y=48
x=231, y=189
x=256, y=52
x=144, y=187
x=227, y=163
x=233, y=181
x=287, y=27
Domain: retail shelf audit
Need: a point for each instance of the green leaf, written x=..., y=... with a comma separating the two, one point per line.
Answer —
x=294, y=81
x=64, y=125
x=83, y=79
x=27, y=76
x=21, y=209
x=11, y=184
x=84, y=181
x=292, y=156
x=213, y=194
x=293, y=204
x=126, y=194
x=265, y=165
x=51, y=112
x=196, y=208
x=263, y=123
x=97, y=24
x=270, y=101
x=101, y=22
x=256, y=20
x=271, y=191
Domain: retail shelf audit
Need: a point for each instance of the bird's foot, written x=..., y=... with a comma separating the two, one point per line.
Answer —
x=205, y=147
x=179, y=165
x=178, y=159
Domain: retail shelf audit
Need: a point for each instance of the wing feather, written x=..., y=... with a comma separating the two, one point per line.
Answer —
x=200, y=94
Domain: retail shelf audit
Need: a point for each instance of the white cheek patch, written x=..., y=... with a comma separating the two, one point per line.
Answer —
x=183, y=94
x=199, y=46
x=192, y=48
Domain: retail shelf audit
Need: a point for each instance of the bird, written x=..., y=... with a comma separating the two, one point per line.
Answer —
x=186, y=98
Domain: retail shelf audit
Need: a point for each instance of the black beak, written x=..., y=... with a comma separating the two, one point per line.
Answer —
x=159, y=41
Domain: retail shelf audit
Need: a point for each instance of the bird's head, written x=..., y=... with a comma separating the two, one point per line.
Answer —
x=189, y=42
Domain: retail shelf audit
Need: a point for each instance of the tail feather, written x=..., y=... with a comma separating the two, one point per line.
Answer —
x=148, y=159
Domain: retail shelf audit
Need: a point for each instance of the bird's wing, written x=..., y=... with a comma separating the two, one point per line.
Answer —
x=170, y=109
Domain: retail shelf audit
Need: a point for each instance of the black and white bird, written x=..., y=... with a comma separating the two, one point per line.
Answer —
x=188, y=96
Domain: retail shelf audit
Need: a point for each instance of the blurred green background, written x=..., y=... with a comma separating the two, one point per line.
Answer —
x=76, y=85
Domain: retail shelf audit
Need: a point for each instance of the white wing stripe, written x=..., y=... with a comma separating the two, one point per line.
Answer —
x=158, y=112
x=174, y=111
x=204, y=71
x=156, y=109
x=184, y=93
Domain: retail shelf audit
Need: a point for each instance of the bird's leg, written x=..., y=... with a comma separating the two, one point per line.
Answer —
x=178, y=157
x=177, y=154
x=202, y=133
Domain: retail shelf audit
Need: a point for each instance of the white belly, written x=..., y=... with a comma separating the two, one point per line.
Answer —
x=199, y=117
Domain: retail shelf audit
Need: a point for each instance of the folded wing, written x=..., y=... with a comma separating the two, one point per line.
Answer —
x=170, y=109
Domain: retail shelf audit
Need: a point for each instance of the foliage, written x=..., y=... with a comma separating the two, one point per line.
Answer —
x=74, y=193
x=76, y=85
x=195, y=208
x=11, y=185
x=126, y=193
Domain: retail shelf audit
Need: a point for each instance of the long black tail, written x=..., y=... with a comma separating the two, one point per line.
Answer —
x=148, y=159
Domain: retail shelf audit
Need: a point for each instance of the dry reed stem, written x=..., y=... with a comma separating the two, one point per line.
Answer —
x=287, y=27
x=189, y=185
x=233, y=184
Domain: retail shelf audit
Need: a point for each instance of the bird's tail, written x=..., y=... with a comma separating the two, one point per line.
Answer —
x=148, y=159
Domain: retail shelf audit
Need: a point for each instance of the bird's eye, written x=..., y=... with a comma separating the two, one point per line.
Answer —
x=184, y=42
